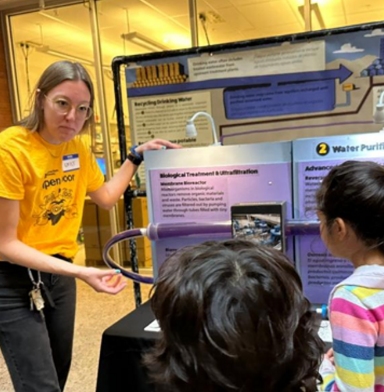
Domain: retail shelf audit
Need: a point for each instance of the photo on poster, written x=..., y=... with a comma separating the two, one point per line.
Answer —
x=260, y=222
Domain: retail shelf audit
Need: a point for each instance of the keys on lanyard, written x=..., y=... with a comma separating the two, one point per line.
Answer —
x=36, y=299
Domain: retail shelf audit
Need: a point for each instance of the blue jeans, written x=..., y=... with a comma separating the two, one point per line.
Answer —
x=37, y=350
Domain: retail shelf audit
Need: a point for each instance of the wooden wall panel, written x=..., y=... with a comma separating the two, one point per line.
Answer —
x=5, y=102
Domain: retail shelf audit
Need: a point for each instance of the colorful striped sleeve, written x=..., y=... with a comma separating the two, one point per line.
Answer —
x=354, y=331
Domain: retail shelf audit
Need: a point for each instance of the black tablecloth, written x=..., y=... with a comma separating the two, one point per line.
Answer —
x=122, y=347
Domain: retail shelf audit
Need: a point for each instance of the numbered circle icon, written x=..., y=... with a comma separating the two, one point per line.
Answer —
x=322, y=149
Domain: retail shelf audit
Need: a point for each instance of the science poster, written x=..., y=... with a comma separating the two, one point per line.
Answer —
x=313, y=158
x=199, y=185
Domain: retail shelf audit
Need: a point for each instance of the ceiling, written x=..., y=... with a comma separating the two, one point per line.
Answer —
x=56, y=32
x=11, y=4
x=67, y=29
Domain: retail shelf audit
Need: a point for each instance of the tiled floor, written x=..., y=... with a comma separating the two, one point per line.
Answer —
x=95, y=313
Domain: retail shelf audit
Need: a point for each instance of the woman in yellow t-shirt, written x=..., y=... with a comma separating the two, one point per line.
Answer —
x=46, y=171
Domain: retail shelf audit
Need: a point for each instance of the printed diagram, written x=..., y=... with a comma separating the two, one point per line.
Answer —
x=340, y=97
x=285, y=94
x=297, y=88
x=154, y=75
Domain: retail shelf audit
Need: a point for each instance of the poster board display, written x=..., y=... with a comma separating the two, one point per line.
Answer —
x=281, y=88
x=199, y=185
x=312, y=160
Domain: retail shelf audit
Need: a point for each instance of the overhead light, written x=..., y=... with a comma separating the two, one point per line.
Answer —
x=46, y=49
x=316, y=9
x=143, y=41
x=191, y=128
x=378, y=115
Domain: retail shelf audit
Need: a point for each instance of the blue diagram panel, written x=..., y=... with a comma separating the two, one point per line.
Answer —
x=261, y=100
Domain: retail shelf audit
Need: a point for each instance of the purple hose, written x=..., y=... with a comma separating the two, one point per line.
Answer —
x=302, y=227
x=124, y=235
x=169, y=230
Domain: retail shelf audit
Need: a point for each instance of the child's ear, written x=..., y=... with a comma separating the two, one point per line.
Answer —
x=340, y=228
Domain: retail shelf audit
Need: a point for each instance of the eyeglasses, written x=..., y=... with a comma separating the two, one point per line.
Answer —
x=62, y=106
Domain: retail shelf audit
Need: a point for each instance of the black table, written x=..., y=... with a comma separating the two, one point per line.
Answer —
x=122, y=347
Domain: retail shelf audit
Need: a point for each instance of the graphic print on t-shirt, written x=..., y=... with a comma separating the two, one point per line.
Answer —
x=56, y=204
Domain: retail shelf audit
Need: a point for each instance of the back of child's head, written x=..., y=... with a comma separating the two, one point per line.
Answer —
x=233, y=317
x=354, y=192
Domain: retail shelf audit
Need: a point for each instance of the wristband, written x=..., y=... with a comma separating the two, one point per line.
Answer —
x=134, y=156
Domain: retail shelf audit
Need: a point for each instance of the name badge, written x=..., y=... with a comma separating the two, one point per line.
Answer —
x=71, y=162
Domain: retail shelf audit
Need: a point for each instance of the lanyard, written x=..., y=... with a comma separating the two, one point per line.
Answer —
x=39, y=282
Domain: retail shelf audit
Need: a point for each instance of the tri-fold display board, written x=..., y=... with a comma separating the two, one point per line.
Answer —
x=203, y=185
x=271, y=89
x=262, y=94
x=199, y=185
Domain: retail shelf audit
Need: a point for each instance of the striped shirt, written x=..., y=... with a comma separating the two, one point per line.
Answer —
x=356, y=314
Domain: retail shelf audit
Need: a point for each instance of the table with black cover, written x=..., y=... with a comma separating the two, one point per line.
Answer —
x=122, y=347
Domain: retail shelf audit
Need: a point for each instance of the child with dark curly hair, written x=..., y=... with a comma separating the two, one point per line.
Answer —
x=233, y=317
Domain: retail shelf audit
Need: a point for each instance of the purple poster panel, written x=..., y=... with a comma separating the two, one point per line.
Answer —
x=193, y=195
x=319, y=270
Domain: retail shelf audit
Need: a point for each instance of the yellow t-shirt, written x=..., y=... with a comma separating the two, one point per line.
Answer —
x=51, y=182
